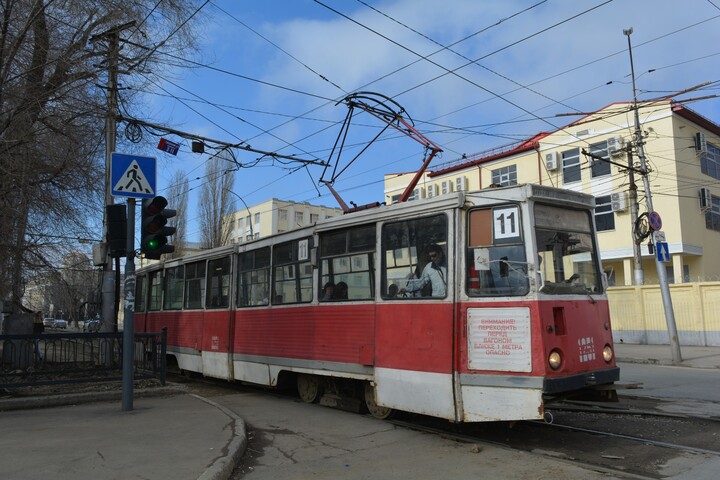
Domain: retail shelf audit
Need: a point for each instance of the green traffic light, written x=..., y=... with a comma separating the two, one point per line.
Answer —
x=153, y=244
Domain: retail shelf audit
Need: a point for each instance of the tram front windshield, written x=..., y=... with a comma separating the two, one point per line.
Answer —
x=566, y=252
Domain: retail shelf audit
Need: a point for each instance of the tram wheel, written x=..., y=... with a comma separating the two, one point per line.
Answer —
x=376, y=410
x=309, y=388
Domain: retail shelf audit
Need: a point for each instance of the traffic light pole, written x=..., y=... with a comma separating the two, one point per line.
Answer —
x=129, y=318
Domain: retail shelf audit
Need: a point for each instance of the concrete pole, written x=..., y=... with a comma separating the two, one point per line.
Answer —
x=661, y=270
x=108, y=284
x=638, y=272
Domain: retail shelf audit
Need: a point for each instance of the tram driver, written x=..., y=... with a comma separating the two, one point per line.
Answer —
x=434, y=274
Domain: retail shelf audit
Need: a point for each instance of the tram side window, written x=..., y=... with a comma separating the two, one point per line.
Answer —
x=218, y=288
x=254, y=278
x=194, y=285
x=347, y=267
x=140, y=293
x=292, y=272
x=155, y=279
x=496, y=260
x=173, y=288
x=415, y=258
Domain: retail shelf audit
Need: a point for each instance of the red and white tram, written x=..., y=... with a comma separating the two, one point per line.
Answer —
x=352, y=305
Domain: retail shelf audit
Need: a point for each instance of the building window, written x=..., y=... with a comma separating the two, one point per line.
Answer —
x=599, y=168
x=505, y=176
x=299, y=218
x=710, y=161
x=314, y=217
x=671, y=274
x=571, y=165
x=712, y=216
x=604, y=217
x=282, y=214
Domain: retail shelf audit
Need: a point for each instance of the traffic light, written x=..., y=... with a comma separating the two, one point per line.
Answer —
x=117, y=240
x=154, y=232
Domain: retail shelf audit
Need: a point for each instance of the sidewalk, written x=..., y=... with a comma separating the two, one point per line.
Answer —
x=178, y=436
x=696, y=357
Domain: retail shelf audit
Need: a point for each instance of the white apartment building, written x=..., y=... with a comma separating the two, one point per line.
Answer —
x=274, y=216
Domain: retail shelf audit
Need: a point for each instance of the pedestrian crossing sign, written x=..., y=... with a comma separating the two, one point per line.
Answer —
x=133, y=175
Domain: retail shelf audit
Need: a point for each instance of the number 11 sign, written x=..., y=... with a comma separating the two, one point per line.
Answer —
x=506, y=224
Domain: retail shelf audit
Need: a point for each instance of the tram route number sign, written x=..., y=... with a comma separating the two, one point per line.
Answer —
x=506, y=224
x=499, y=339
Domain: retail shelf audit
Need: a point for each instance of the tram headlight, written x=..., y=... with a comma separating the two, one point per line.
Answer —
x=607, y=353
x=555, y=359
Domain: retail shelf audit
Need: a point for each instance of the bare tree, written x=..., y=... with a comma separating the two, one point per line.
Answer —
x=216, y=201
x=52, y=117
x=177, y=195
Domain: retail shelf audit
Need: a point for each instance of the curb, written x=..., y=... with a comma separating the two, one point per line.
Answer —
x=26, y=403
x=223, y=466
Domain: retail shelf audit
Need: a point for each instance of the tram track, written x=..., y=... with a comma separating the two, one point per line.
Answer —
x=631, y=439
x=625, y=442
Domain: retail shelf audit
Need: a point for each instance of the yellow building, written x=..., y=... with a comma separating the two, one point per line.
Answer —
x=682, y=150
x=274, y=216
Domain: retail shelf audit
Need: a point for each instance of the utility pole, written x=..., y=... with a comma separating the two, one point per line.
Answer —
x=109, y=297
x=661, y=270
x=638, y=273
x=108, y=283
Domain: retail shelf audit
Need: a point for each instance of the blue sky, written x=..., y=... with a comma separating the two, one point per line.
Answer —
x=276, y=69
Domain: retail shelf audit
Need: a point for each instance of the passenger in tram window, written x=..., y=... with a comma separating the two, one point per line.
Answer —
x=433, y=274
x=341, y=291
x=392, y=291
x=327, y=291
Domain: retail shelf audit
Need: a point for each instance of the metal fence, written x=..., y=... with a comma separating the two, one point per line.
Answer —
x=61, y=358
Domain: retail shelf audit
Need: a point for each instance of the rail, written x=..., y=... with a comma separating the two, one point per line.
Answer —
x=62, y=358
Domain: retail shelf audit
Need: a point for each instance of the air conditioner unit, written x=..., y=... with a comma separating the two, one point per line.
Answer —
x=417, y=194
x=700, y=143
x=461, y=184
x=551, y=161
x=447, y=187
x=618, y=201
x=432, y=191
x=615, y=145
x=705, y=198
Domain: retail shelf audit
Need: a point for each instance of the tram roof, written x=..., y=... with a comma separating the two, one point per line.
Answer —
x=514, y=193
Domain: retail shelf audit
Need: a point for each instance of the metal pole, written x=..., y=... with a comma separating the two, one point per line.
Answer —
x=129, y=318
x=661, y=270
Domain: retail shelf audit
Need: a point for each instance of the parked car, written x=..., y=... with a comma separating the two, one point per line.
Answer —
x=92, y=325
x=60, y=323
x=48, y=322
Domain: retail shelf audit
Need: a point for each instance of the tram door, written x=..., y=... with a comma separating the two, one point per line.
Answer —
x=495, y=341
x=218, y=322
x=414, y=330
